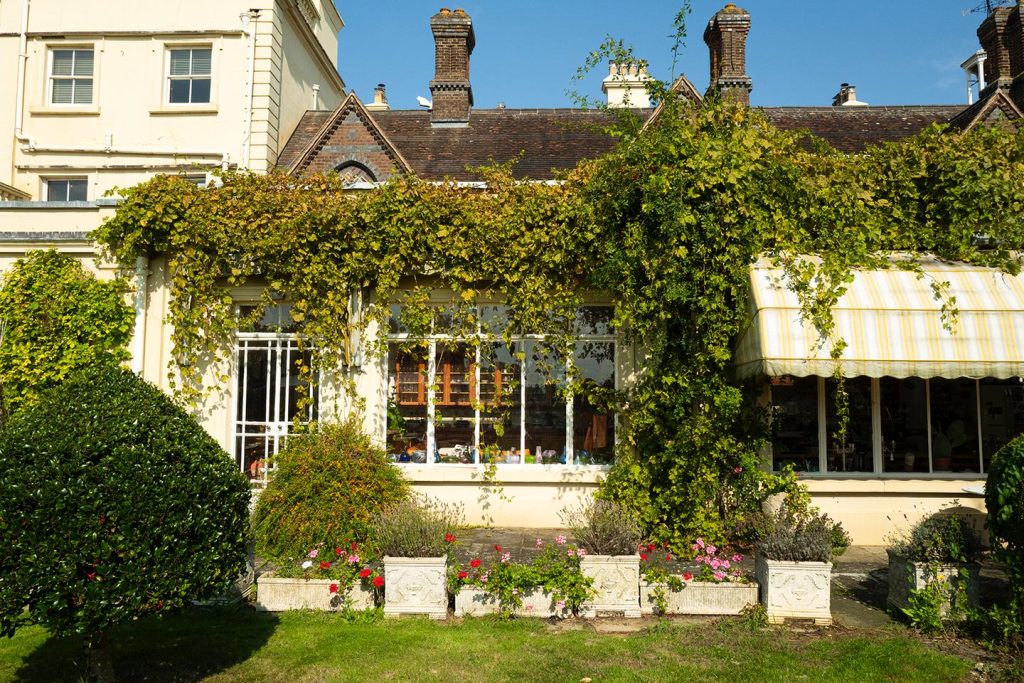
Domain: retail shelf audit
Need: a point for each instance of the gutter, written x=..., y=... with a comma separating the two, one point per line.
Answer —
x=19, y=99
x=248, y=28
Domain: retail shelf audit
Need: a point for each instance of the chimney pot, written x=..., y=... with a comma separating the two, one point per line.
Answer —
x=380, y=99
x=726, y=38
x=626, y=85
x=451, y=91
x=1001, y=35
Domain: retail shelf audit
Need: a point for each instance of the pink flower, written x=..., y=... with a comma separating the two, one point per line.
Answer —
x=570, y=552
x=539, y=543
x=582, y=552
x=725, y=564
x=313, y=553
x=699, y=559
x=506, y=557
x=560, y=539
x=483, y=578
x=719, y=576
x=737, y=469
x=712, y=550
x=737, y=558
x=700, y=542
x=560, y=605
x=695, y=548
x=715, y=563
x=353, y=559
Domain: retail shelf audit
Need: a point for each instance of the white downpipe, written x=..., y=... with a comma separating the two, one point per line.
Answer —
x=249, y=20
x=19, y=98
x=139, y=337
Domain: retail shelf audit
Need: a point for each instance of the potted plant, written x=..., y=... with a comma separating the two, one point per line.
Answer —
x=938, y=554
x=709, y=582
x=325, y=579
x=608, y=535
x=416, y=538
x=550, y=585
x=794, y=564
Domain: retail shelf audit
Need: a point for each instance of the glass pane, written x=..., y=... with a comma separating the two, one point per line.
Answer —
x=296, y=392
x=179, y=91
x=63, y=62
x=407, y=404
x=594, y=320
x=545, y=405
x=904, y=405
x=454, y=415
x=83, y=91
x=855, y=454
x=253, y=377
x=1002, y=414
x=83, y=63
x=62, y=91
x=180, y=62
x=500, y=397
x=593, y=427
x=200, y=91
x=76, y=190
x=794, y=424
x=201, y=60
x=252, y=452
x=56, y=190
x=954, y=425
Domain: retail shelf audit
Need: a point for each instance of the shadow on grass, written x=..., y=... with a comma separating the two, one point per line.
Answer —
x=188, y=646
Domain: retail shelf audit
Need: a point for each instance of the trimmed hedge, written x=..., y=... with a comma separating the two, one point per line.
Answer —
x=114, y=503
x=326, y=488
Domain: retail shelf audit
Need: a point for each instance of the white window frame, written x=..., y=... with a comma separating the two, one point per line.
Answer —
x=64, y=179
x=168, y=78
x=51, y=77
x=480, y=338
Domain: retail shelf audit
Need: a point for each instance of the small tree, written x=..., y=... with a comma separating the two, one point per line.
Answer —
x=114, y=504
x=56, y=318
x=1004, y=498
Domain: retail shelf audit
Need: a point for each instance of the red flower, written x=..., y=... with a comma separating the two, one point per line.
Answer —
x=91, y=576
x=333, y=588
x=159, y=604
x=463, y=575
x=643, y=557
x=337, y=551
x=354, y=545
x=497, y=548
x=378, y=581
x=650, y=547
x=668, y=558
x=325, y=565
x=365, y=573
x=475, y=562
x=449, y=538
x=687, y=576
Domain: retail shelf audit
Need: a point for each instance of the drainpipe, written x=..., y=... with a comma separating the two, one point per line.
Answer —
x=19, y=100
x=316, y=97
x=139, y=337
x=248, y=20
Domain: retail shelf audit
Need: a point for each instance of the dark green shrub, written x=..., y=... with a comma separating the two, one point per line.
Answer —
x=946, y=538
x=114, y=503
x=1004, y=498
x=326, y=488
x=57, y=318
x=807, y=537
x=415, y=527
x=603, y=527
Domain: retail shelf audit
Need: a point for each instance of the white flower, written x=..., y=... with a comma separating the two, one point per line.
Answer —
x=307, y=564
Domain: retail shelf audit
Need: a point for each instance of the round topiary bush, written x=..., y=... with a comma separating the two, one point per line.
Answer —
x=114, y=503
x=1004, y=495
x=326, y=488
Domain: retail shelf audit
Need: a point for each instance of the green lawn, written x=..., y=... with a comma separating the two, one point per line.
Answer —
x=239, y=645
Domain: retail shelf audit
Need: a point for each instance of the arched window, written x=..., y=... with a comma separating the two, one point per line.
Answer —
x=354, y=172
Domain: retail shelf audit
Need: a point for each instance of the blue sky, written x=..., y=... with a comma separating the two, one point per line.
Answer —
x=799, y=51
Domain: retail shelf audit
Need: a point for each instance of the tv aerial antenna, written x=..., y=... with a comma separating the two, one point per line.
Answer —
x=988, y=6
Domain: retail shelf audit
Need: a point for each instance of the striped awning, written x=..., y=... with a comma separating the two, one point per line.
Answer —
x=892, y=324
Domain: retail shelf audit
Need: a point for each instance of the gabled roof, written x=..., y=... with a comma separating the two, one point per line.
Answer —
x=684, y=87
x=852, y=129
x=997, y=105
x=298, y=162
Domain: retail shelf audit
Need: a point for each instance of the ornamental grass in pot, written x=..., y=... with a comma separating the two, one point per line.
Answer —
x=933, y=568
x=416, y=538
x=794, y=564
x=608, y=535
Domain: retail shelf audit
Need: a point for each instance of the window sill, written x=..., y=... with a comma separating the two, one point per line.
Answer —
x=184, y=110
x=64, y=111
x=508, y=474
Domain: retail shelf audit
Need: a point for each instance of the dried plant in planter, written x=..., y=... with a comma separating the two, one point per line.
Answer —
x=420, y=527
x=808, y=537
x=603, y=527
x=944, y=537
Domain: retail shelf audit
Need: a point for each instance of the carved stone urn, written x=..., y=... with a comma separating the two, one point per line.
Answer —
x=416, y=585
x=616, y=585
x=795, y=590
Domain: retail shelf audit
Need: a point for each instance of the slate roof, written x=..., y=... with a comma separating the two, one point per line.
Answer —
x=551, y=139
x=852, y=129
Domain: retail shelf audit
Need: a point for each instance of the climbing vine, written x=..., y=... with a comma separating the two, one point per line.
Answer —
x=667, y=225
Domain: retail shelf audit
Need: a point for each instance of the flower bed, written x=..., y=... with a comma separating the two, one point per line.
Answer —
x=697, y=597
x=536, y=602
x=278, y=594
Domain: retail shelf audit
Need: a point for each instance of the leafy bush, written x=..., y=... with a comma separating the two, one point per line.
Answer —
x=604, y=527
x=946, y=538
x=415, y=528
x=325, y=490
x=56, y=318
x=114, y=503
x=793, y=537
x=1004, y=498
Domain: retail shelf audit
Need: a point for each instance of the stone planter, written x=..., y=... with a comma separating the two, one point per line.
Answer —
x=475, y=602
x=905, y=576
x=700, y=597
x=274, y=594
x=416, y=585
x=795, y=590
x=616, y=585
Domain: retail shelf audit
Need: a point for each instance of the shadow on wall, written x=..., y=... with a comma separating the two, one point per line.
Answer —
x=190, y=646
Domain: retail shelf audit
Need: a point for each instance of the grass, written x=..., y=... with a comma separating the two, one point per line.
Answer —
x=233, y=645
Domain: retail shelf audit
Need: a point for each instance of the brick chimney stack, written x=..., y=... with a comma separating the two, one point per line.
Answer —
x=726, y=38
x=450, y=90
x=1001, y=38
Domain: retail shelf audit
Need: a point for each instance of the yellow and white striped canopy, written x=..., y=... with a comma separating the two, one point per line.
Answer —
x=892, y=324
